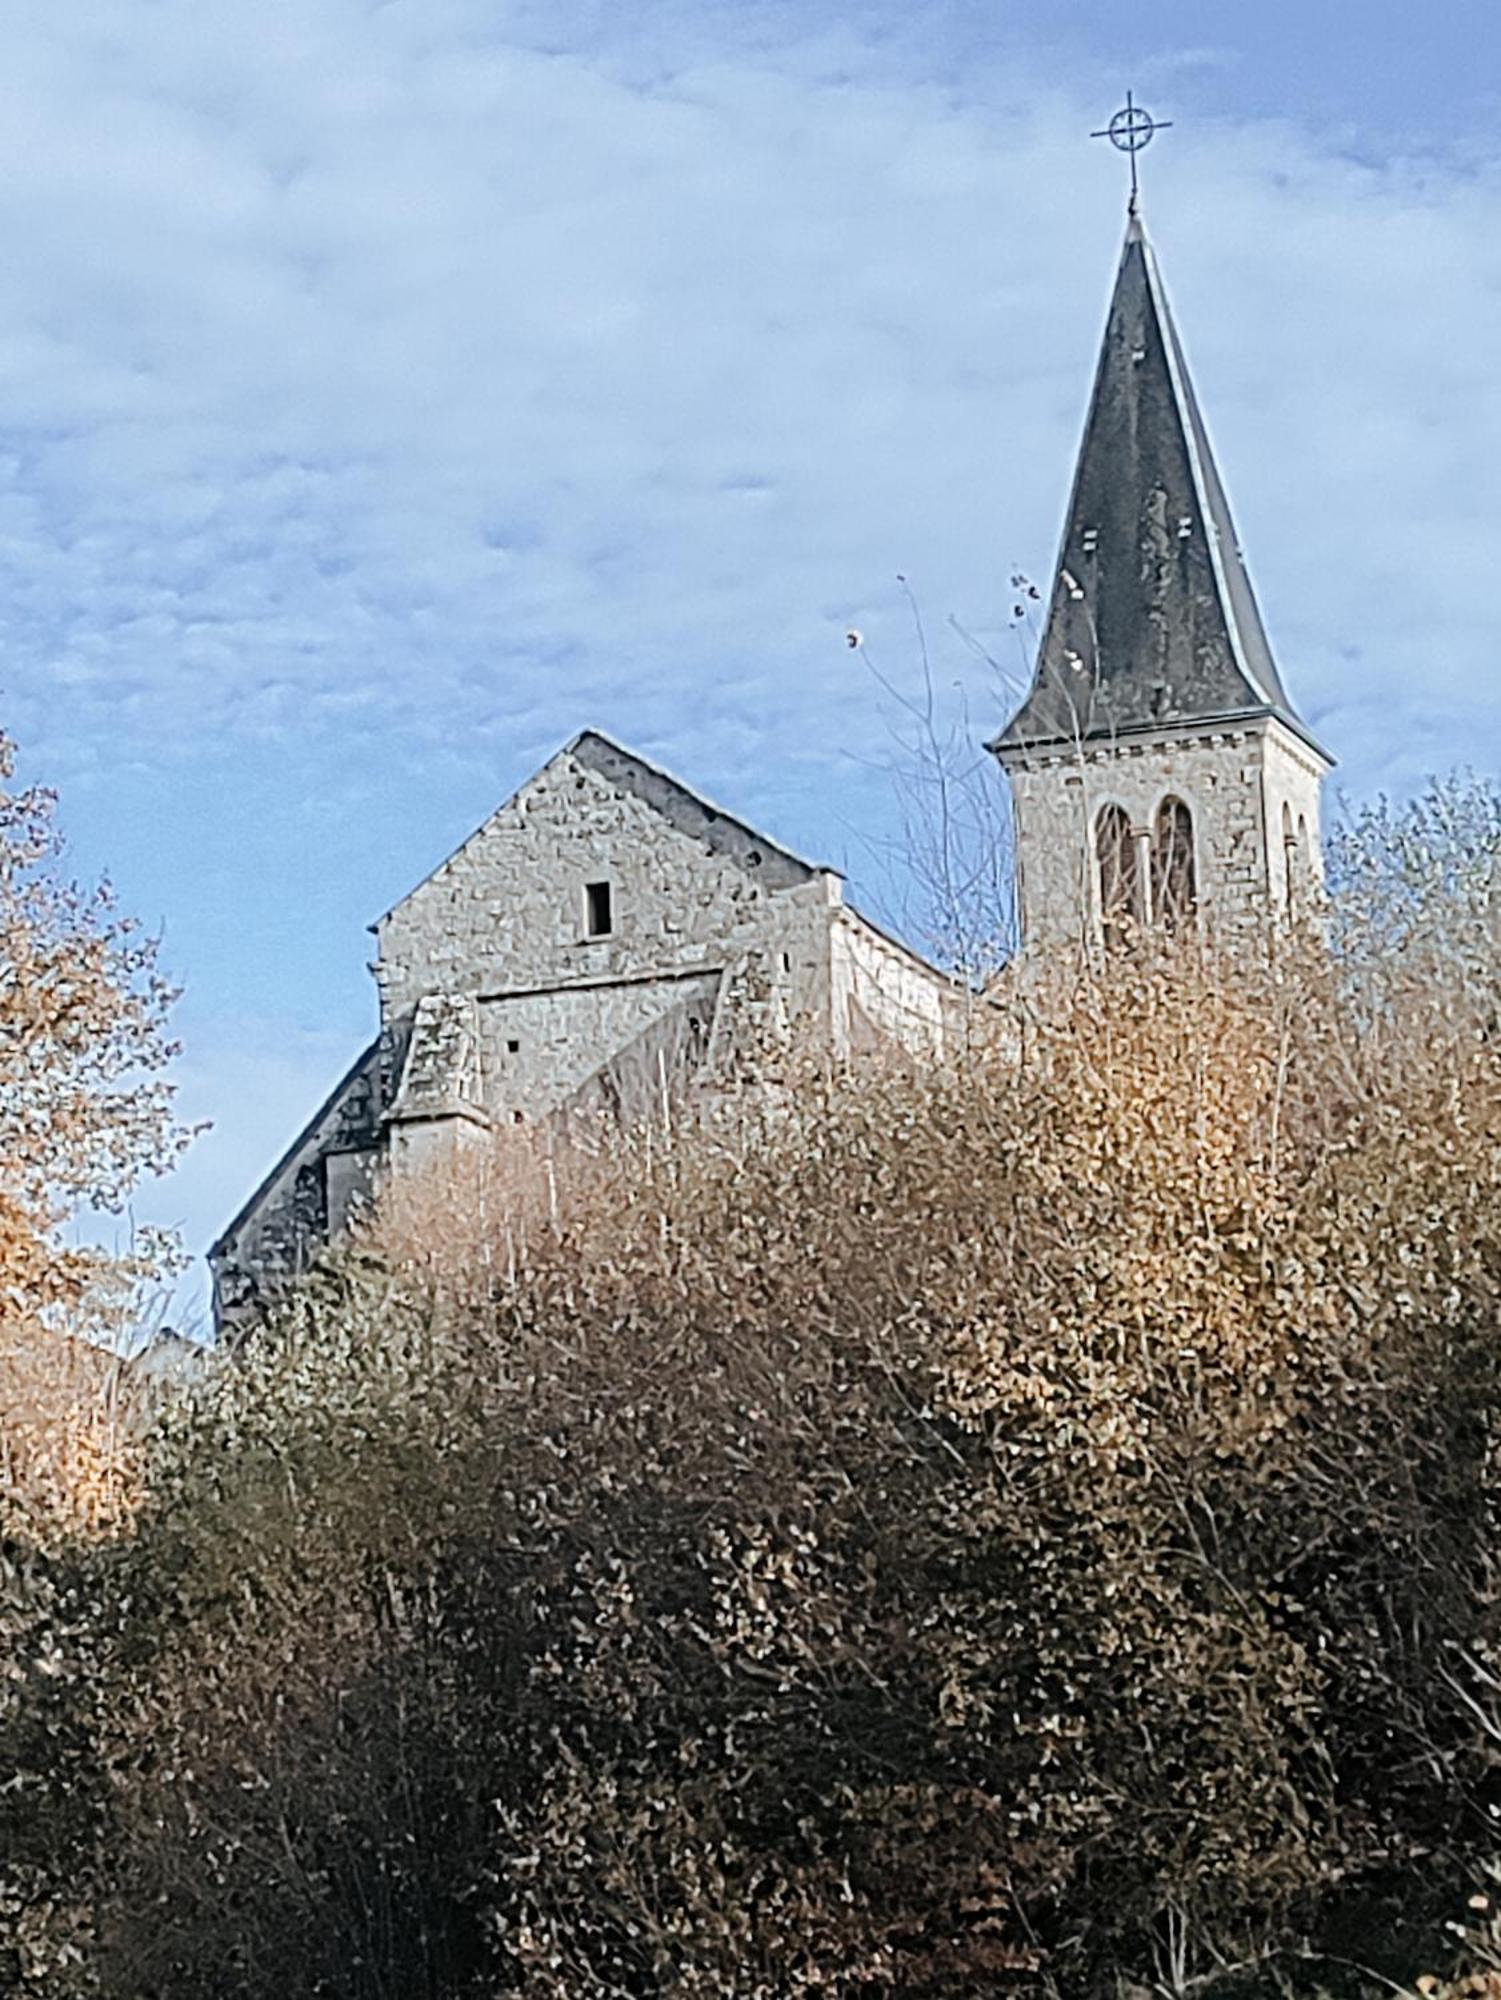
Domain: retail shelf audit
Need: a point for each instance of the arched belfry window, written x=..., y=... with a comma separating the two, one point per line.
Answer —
x=1119, y=874
x=1175, y=888
x=1290, y=855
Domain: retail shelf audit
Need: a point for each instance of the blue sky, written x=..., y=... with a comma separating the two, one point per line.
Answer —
x=388, y=390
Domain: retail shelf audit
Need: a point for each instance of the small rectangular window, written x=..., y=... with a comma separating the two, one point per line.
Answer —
x=599, y=918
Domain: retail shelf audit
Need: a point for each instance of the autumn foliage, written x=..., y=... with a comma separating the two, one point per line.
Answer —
x=85, y=1112
x=1021, y=1527
x=85, y=1108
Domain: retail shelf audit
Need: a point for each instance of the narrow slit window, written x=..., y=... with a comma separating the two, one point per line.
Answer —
x=599, y=914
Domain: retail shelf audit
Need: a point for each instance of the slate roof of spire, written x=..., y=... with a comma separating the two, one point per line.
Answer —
x=1152, y=621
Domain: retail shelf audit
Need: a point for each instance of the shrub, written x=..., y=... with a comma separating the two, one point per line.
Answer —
x=1026, y=1526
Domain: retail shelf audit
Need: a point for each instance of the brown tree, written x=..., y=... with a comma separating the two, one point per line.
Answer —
x=85, y=1106
x=85, y=1111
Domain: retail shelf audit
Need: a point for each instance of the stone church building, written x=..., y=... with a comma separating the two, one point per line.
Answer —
x=608, y=925
x=607, y=928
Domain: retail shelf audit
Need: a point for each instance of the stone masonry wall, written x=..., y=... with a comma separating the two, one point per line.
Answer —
x=1294, y=780
x=881, y=991
x=309, y=1192
x=1233, y=782
x=719, y=940
x=504, y=919
x=539, y=1048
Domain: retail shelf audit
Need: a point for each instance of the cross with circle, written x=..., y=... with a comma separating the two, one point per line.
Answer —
x=1129, y=131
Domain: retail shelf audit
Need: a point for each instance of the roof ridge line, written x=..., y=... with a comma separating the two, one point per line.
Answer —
x=1177, y=372
x=702, y=799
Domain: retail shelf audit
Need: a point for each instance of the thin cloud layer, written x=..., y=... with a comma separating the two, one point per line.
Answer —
x=363, y=369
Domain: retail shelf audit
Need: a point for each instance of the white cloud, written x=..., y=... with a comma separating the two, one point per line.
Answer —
x=366, y=361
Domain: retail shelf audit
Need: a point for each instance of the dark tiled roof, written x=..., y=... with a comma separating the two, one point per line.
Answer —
x=1153, y=622
x=720, y=832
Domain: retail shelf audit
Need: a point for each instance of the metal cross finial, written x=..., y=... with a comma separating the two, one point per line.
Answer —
x=1130, y=130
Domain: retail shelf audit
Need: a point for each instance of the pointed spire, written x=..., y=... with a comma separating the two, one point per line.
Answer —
x=1152, y=621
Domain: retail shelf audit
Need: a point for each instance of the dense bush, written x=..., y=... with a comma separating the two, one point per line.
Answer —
x=1027, y=1526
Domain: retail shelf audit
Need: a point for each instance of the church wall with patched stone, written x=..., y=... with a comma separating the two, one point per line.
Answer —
x=540, y=1047
x=1222, y=777
x=308, y=1194
x=498, y=1007
x=1294, y=786
x=505, y=919
x=883, y=992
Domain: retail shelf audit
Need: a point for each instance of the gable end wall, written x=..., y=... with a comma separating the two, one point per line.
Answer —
x=693, y=895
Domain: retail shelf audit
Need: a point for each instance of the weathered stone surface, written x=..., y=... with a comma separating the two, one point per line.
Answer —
x=309, y=1192
x=1236, y=784
x=504, y=1000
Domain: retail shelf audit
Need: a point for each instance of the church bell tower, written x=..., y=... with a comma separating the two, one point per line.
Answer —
x=1159, y=771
